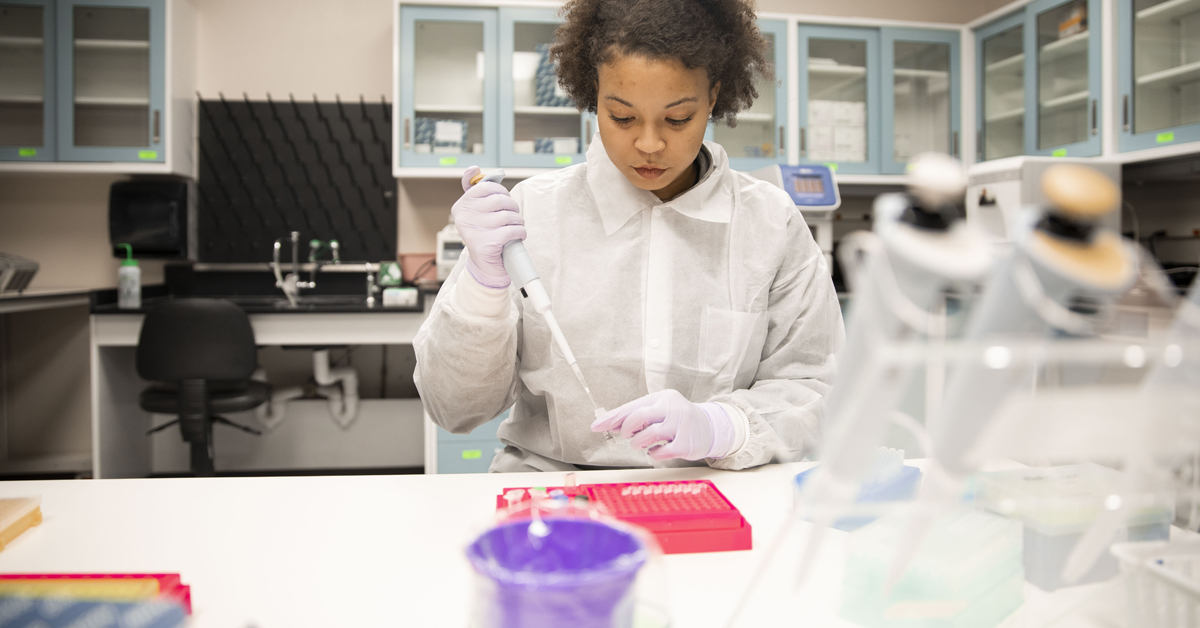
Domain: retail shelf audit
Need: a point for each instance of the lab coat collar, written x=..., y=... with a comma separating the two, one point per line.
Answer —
x=619, y=200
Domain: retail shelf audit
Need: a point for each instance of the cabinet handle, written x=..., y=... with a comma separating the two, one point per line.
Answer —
x=157, y=127
x=782, y=142
x=803, y=147
x=1095, y=128
x=955, y=148
x=407, y=133
x=587, y=132
x=1125, y=113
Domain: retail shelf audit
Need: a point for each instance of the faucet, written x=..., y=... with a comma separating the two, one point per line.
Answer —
x=291, y=285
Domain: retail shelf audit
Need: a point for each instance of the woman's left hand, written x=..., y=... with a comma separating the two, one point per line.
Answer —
x=670, y=426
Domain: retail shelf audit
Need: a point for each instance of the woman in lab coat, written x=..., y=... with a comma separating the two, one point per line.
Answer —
x=694, y=297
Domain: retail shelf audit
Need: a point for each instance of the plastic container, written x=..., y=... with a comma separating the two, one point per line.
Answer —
x=18, y=515
x=966, y=574
x=1056, y=505
x=890, y=481
x=1162, y=583
x=572, y=572
x=129, y=282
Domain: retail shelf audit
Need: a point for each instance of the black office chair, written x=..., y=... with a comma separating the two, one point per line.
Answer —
x=200, y=353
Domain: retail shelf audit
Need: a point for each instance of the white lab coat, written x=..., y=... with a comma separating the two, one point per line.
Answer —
x=719, y=293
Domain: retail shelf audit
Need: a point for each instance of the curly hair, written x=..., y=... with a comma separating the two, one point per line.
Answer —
x=720, y=36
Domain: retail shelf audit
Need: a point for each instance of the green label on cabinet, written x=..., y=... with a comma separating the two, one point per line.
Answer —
x=147, y=154
x=472, y=454
x=832, y=167
x=1162, y=138
x=27, y=152
x=563, y=160
x=448, y=161
x=1062, y=152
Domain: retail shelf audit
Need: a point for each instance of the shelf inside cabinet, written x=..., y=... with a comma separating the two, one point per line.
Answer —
x=748, y=116
x=1168, y=11
x=111, y=44
x=21, y=42
x=112, y=101
x=1064, y=47
x=923, y=74
x=448, y=108
x=19, y=99
x=1004, y=116
x=543, y=111
x=833, y=69
x=1062, y=102
x=1172, y=76
x=1013, y=64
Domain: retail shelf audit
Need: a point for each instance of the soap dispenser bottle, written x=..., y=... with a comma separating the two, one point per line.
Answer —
x=129, y=282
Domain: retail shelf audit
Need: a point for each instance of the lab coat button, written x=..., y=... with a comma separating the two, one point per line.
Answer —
x=654, y=344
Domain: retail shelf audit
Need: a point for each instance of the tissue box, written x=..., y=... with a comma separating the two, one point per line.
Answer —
x=849, y=143
x=820, y=143
x=442, y=134
x=820, y=113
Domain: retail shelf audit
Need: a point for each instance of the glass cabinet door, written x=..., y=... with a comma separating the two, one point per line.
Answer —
x=1001, y=97
x=27, y=80
x=759, y=139
x=1159, y=66
x=111, y=80
x=542, y=127
x=840, y=74
x=448, y=87
x=920, y=95
x=1066, y=63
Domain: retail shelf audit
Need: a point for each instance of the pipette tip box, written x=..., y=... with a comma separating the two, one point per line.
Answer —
x=686, y=517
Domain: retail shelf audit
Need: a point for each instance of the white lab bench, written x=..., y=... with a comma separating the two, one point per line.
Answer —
x=121, y=449
x=388, y=550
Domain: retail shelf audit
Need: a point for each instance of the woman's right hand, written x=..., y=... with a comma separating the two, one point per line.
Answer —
x=487, y=218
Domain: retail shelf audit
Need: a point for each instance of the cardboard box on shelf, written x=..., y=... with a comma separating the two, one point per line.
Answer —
x=850, y=113
x=850, y=143
x=820, y=113
x=820, y=143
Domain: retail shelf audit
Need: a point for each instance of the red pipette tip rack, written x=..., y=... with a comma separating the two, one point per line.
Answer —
x=686, y=517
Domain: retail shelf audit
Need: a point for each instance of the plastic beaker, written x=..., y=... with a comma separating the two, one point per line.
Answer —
x=579, y=573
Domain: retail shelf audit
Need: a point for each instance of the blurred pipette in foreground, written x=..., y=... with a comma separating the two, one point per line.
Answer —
x=1063, y=274
x=525, y=278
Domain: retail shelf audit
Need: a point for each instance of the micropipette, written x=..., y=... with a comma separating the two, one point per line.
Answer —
x=525, y=278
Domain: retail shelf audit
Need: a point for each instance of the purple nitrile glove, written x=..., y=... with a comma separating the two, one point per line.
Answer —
x=487, y=218
x=692, y=431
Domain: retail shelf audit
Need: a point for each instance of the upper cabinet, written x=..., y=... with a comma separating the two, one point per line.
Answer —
x=448, y=103
x=1039, y=81
x=760, y=137
x=920, y=95
x=90, y=86
x=27, y=30
x=541, y=126
x=1158, y=72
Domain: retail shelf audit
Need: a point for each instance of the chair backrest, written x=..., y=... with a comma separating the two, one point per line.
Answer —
x=196, y=339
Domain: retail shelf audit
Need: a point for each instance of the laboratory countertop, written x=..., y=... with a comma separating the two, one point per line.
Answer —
x=43, y=298
x=365, y=551
x=260, y=304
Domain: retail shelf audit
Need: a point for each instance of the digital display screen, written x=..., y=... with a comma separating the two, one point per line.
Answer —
x=808, y=184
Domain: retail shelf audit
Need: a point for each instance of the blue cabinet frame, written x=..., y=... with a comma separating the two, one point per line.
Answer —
x=1128, y=138
x=888, y=49
x=871, y=37
x=409, y=16
x=509, y=17
x=153, y=151
x=981, y=36
x=47, y=150
x=1090, y=147
x=779, y=31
